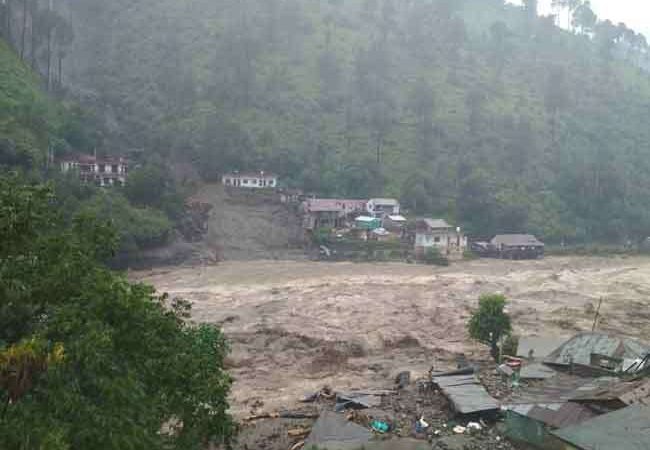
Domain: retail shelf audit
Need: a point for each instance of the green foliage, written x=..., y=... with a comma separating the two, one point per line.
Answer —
x=137, y=227
x=490, y=322
x=152, y=185
x=434, y=257
x=130, y=364
x=478, y=111
x=26, y=114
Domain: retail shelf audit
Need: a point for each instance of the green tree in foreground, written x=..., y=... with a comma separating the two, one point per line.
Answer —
x=490, y=322
x=88, y=360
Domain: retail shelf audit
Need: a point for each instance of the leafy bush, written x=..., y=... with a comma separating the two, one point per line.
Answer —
x=434, y=257
x=138, y=228
x=490, y=322
x=88, y=360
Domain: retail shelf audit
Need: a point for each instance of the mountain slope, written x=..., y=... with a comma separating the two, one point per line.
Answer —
x=472, y=110
x=24, y=112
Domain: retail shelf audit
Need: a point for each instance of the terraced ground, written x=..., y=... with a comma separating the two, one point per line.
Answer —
x=297, y=325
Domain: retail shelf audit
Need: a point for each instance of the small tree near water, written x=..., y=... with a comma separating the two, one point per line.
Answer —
x=490, y=322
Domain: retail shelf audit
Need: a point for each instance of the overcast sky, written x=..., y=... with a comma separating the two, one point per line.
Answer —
x=635, y=13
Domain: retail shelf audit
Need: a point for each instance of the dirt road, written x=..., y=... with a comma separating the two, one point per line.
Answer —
x=295, y=326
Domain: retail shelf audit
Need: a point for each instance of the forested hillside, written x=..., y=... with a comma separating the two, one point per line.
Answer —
x=36, y=128
x=478, y=111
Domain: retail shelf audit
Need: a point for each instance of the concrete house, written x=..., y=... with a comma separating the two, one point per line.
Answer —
x=437, y=233
x=102, y=171
x=250, y=180
x=382, y=207
x=329, y=212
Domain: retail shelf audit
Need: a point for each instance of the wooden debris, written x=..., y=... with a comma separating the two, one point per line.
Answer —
x=298, y=432
x=297, y=445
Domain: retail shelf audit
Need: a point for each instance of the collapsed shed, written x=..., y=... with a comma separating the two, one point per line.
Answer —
x=465, y=393
x=598, y=354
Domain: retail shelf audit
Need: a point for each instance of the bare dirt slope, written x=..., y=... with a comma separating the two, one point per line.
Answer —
x=295, y=326
x=247, y=225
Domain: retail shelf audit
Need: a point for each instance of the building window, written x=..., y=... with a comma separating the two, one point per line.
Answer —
x=246, y=181
x=114, y=168
x=436, y=239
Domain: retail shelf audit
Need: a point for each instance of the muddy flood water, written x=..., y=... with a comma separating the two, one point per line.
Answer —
x=296, y=326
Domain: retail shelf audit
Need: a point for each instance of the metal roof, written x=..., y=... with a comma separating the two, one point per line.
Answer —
x=536, y=371
x=334, y=431
x=566, y=415
x=333, y=205
x=541, y=346
x=581, y=346
x=436, y=223
x=465, y=393
x=630, y=393
x=625, y=429
x=516, y=240
x=384, y=201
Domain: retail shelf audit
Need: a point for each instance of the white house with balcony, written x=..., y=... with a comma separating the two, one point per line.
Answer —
x=250, y=180
x=102, y=171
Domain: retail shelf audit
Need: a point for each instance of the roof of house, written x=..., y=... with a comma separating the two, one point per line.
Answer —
x=397, y=218
x=580, y=347
x=516, y=240
x=90, y=159
x=628, y=392
x=541, y=346
x=258, y=174
x=466, y=394
x=556, y=415
x=332, y=204
x=384, y=201
x=366, y=219
x=435, y=223
x=625, y=429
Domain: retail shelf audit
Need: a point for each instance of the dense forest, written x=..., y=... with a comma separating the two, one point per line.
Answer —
x=474, y=110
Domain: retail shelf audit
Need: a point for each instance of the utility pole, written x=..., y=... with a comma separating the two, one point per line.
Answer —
x=593, y=327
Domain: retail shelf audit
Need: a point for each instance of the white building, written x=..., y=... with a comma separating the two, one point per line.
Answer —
x=437, y=233
x=253, y=180
x=381, y=207
x=108, y=171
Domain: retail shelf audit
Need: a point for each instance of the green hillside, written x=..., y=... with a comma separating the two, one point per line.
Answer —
x=473, y=110
x=26, y=114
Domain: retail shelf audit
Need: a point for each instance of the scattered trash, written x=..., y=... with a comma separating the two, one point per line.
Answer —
x=437, y=433
x=403, y=379
x=459, y=429
x=311, y=397
x=356, y=400
x=281, y=415
x=421, y=425
x=379, y=426
x=505, y=369
x=474, y=426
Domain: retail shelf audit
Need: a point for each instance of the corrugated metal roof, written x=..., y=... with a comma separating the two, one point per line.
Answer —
x=384, y=201
x=536, y=371
x=580, y=348
x=566, y=415
x=466, y=394
x=515, y=240
x=541, y=346
x=630, y=393
x=625, y=429
x=436, y=223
